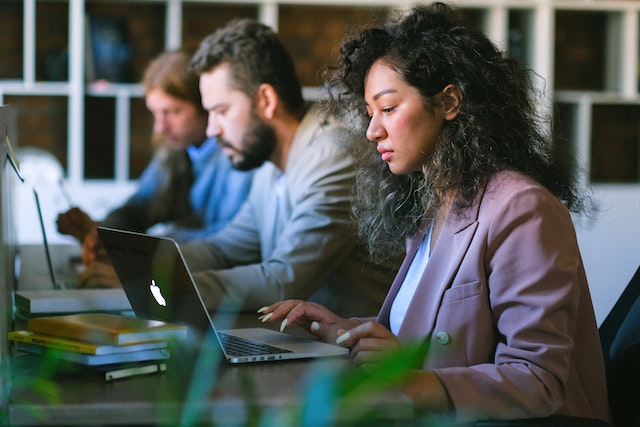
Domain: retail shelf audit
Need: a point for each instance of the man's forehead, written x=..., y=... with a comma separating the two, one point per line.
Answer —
x=217, y=77
x=216, y=92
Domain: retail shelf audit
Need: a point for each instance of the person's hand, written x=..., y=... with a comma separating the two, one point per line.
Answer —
x=75, y=222
x=92, y=249
x=313, y=317
x=367, y=341
x=99, y=275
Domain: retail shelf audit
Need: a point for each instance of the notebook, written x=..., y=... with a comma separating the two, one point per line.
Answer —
x=159, y=285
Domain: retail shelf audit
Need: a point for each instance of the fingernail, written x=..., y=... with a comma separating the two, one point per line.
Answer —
x=315, y=326
x=342, y=338
x=261, y=309
x=265, y=317
x=283, y=325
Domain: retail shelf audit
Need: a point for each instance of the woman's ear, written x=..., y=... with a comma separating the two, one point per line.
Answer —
x=266, y=101
x=451, y=101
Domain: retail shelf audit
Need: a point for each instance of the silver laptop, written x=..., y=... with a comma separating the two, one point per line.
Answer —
x=159, y=285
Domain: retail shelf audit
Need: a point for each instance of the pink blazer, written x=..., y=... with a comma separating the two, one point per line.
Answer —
x=505, y=302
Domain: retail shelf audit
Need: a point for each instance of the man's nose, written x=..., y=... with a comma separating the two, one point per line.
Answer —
x=213, y=127
x=160, y=124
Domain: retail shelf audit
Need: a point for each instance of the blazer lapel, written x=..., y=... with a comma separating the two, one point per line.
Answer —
x=445, y=259
x=443, y=264
x=412, y=247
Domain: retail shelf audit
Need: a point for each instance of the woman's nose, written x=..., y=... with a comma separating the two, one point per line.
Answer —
x=375, y=131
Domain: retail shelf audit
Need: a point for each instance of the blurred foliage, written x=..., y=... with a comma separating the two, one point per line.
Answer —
x=333, y=393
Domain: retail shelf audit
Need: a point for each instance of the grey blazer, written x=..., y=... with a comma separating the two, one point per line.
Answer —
x=299, y=245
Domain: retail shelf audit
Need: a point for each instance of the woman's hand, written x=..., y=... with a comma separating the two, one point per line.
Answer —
x=319, y=320
x=367, y=341
x=99, y=275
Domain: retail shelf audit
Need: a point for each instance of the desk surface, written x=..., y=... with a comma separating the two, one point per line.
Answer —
x=217, y=393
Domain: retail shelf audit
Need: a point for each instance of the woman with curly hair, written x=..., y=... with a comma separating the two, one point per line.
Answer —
x=461, y=168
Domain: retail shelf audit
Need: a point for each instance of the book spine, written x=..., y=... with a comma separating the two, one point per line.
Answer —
x=54, y=342
x=78, y=331
x=136, y=356
x=98, y=360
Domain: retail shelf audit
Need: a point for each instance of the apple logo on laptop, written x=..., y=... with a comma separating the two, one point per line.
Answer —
x=157, y=293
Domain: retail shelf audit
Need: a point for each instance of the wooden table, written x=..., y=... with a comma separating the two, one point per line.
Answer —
x=190, y=392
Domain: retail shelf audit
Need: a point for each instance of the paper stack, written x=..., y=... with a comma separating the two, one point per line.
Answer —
x=116, y=346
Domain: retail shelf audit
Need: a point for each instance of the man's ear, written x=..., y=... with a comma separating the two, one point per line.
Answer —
x=266, y=101
x=451, y=101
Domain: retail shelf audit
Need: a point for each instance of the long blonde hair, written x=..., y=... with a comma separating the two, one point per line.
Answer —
x=170, y=73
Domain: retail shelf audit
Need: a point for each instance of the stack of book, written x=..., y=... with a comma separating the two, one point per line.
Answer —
x=115, y=346
x=53, y=302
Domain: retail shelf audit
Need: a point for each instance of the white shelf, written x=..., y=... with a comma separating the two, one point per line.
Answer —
x=538, y=23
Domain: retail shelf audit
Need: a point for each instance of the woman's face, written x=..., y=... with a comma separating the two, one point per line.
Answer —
x=405, y=131
x=180, y=122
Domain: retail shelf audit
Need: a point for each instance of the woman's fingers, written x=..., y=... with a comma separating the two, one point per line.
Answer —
x=277, y=310
x=367, y=341
x=310, y=316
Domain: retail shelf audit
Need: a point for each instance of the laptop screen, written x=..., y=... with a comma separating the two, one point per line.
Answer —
x=7, y=227
x=155, y=278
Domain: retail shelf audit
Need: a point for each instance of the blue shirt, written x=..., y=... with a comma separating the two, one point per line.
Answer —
x=216, y=194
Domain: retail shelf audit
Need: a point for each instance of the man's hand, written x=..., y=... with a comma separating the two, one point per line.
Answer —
x=75, y=222
x=93, y=250
x=99, y=275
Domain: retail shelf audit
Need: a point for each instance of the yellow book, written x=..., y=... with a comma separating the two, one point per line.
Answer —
x=106, y=328
x=80, y=346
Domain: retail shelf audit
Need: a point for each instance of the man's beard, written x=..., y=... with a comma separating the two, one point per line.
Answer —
x=258, y=144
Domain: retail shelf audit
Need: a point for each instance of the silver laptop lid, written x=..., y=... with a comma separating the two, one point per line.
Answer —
x=158, y=284
x=154, y=276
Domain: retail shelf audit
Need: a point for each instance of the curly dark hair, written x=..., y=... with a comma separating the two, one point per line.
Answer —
x=499, y=125
x=256, y=56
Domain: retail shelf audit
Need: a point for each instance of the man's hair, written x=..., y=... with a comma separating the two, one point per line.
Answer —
x=256, y=56
x=170, y=73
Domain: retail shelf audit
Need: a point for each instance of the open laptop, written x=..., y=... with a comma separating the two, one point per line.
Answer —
x=159, y=286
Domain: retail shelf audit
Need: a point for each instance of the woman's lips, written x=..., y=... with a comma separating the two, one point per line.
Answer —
x=385, y=154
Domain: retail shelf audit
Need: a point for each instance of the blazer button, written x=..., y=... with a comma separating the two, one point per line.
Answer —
x=442, y=337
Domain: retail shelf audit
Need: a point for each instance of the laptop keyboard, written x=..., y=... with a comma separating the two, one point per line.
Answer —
x=237, y=346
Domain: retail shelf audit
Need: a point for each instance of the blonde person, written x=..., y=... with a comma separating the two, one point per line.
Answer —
x=188, y=190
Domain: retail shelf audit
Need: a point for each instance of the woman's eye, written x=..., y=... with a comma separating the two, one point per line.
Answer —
x=387, y=109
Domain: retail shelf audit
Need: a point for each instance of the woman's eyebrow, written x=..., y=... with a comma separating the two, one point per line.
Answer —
x=383, y=92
